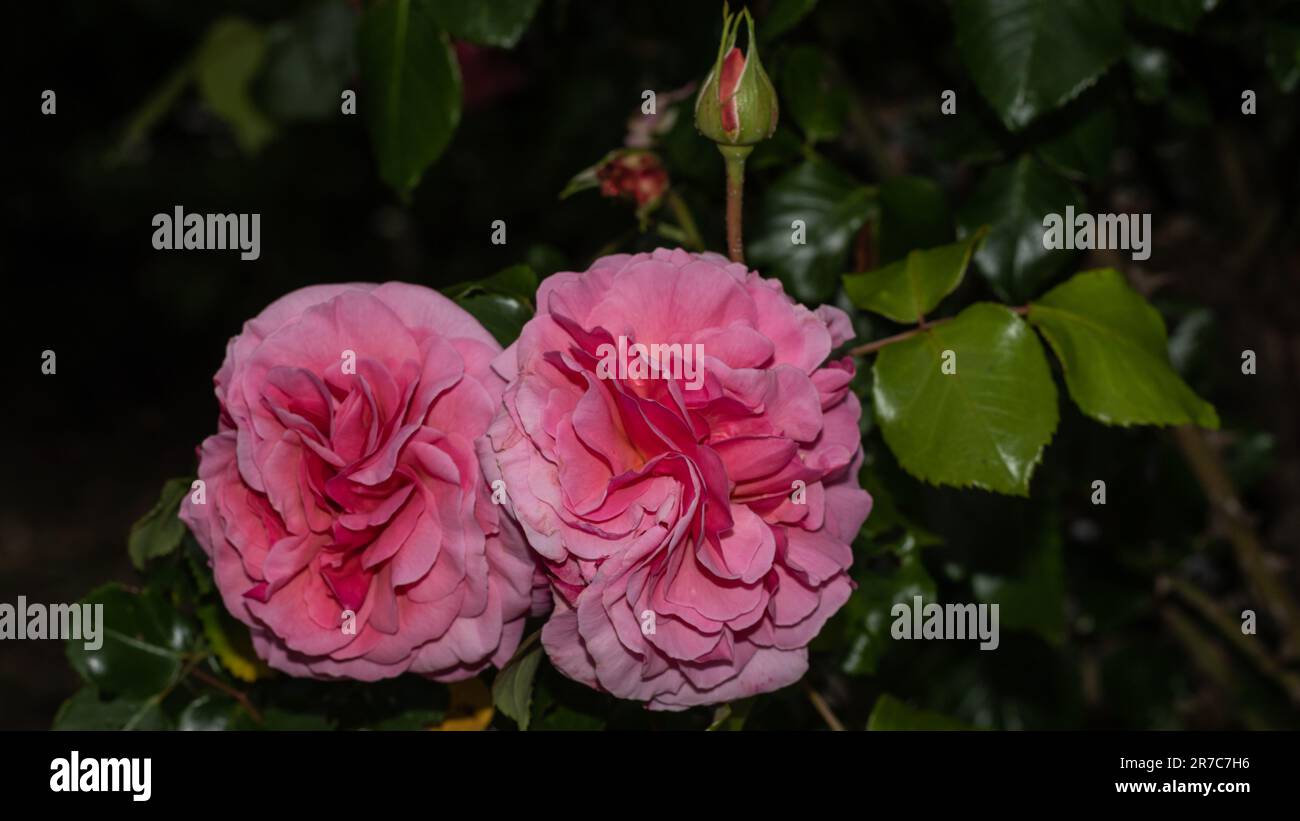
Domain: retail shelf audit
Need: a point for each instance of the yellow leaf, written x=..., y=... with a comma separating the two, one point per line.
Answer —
x=234, y=652
x=471, y=707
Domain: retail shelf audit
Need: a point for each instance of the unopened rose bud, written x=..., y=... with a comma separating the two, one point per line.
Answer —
x=634, y=175
x=737, y=103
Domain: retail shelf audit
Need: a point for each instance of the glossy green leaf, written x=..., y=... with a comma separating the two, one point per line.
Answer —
x=1028, y=57
x=914, y=214
x=516, y=280
x=214, y=711
x=143, y=643
x=1012, y=200
x=986, y=424
x=1113, y=350
x=808, y=93
x=512, y=690
x=491, y=22
x=892, y=714
x=85, y=710
x=502, y=302
x=159, y=531
x=503, y=316
x=225, y=66
x=831, y=207
x=1182, y=15
x=1084, y=148
x=908, y=289
x=411, y=84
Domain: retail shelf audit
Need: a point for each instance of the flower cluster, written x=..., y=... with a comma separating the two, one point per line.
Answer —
x=389, y=491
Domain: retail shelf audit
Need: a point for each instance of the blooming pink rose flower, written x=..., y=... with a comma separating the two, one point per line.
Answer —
x=695, y=530
x=344, y=477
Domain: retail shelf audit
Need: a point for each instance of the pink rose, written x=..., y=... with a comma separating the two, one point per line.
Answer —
x=346, y=517
x=695, y=525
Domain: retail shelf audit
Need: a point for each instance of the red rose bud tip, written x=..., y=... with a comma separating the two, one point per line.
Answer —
x=737, y=104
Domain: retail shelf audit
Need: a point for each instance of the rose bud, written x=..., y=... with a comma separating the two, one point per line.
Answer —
x=626, y=174
x=737, y=104
x=633, y=175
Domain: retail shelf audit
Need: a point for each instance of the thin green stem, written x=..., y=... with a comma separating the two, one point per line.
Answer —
x=686, y=220
x=735, y=158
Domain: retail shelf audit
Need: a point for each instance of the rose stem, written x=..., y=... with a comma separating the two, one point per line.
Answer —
x=735, y=157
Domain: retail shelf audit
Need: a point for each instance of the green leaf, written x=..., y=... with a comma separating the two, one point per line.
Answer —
x=908, y=289
x=832, y=206
x=503, y=316
x=143, y=640
x=1085, y=147
x=494, y=23
x=731, y=716
x=892, y=714
x=512, y=691
x=411, y=85
x=151, y=112
x=502, y=302
x=1113, y=350
x=782, y=16
x=584, y=180
x=516, y=280
x=808, y=94
x=1182, y=15
x=159, y=531
x=1282, y=53
x=866, y=617
x=311, y=59
x=1012, y=200
x=226, y=64
x=86, y=711
x=1028, y=57
x=213, y=711
x=984, y=425
x=230, y=643
x=914, y=214
x=1034, y=600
